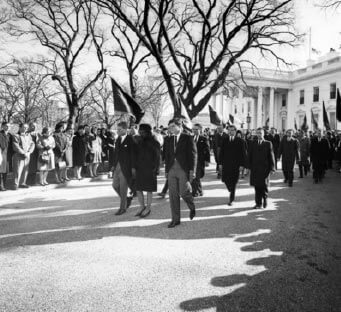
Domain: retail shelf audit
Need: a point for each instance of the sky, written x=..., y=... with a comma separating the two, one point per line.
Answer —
x=325, y=28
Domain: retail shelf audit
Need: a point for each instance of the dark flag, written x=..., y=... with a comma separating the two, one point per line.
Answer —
x=313, y=120
x=124, y=103
x=295, y=124
x=338, y=105
x=231, y=119
x=325, y=118
x=304, y=126
x=214, y=117
x=267, y=123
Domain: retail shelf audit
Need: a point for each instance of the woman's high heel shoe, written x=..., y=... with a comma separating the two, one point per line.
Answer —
x=145, y=214
x=138, y=214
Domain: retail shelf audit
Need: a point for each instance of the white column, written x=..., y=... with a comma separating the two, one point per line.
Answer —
x=221, y=101
x=252, y=114
x=259, y=107
x=290, y=110
x=271, y=108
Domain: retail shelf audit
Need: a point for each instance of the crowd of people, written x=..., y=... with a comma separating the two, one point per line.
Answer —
x=133, y=156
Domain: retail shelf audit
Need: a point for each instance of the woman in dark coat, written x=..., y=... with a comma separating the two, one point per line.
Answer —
x=79, y=151
x=146, y=166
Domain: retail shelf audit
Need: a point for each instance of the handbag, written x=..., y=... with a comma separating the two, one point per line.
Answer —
x=44, y=158
x=61, y=164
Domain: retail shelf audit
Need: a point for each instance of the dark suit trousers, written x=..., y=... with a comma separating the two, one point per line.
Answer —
x=179, y=185
x=261, y=193
x=120, y=185
x=289, y=175
x=232, y=189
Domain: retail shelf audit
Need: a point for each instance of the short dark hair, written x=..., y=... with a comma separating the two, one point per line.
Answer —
x=176, y=121
x=123, y=124
x=4, y=123
x=232, y=126
x=198, y=125
x=81, y=127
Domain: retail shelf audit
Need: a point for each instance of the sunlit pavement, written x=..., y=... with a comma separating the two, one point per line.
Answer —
x=63, y=249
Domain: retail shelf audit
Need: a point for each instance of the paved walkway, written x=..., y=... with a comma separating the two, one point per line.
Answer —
x=63, y=249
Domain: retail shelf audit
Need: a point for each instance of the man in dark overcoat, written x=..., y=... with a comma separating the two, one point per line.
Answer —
x=319, y=152
x=232, y=157
x=123, y=172
x=289, y=151
x=217, y=141
x=203, y=159
x=180, y=164
x=261, y=162
x=275, y=139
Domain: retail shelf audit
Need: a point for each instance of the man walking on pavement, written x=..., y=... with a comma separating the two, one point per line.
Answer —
x=180, y=163
x=123, y=172
x=203, y=159
x=261, y=162
x=289, y=151
x=232, y=157
x=217, y=141
x=319, y=151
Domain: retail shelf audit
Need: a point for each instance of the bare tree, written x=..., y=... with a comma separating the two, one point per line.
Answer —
x=197, y=44
x=23, y=91
x=101, y=98
x=129, y=49
x=68, y=29
x=152, y=96
x=329, y=4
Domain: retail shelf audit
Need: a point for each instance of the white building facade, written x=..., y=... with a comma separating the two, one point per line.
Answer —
x=279, y=99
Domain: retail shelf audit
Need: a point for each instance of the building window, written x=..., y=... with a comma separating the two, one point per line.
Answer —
x=301, y=97
x=333, y=90
x=316, y=94
x=284, y=100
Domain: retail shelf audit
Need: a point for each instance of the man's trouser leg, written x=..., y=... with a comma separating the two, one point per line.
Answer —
x=174, y=195
x=120, y=185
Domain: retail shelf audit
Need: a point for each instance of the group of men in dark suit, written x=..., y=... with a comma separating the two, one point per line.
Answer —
x=258, y=157
x=186, y=155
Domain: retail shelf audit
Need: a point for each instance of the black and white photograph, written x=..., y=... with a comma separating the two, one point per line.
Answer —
x=170, y=155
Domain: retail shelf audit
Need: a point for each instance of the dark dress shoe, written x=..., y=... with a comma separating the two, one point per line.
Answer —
x=229, y=203
x=285, y=181
x=290, y=184
x=173, y=224
x=129, y=200
x=120, y=212
x=256, y=207
x=23, y=186
x=265, y=203
x=192, y=214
